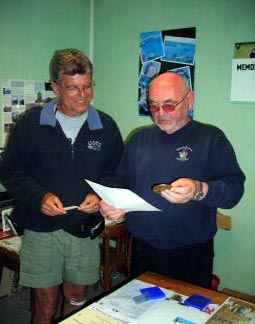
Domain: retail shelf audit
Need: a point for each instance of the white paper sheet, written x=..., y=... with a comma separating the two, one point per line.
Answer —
x=120, y=303
x=121, y=198
x=91, y=316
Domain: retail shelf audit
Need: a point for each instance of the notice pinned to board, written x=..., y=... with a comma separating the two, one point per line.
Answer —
x=243, y=80
x=243, y=72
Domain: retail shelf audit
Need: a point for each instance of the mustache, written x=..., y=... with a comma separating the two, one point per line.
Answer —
x=167, y=118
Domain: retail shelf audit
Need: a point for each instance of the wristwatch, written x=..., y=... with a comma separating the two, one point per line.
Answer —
x=199, y=194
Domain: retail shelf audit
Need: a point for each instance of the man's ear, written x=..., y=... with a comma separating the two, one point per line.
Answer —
x=55, y=88
x=191, y=99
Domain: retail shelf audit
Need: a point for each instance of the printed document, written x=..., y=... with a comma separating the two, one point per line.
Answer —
x=121, y=198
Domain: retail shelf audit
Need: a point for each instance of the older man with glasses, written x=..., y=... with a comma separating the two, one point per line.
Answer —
x=185, y=168
x=51, y=150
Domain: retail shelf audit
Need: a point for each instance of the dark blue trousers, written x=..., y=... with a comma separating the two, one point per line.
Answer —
x=191, y=263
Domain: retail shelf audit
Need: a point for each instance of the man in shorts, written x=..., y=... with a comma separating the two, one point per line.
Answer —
x=51, y=150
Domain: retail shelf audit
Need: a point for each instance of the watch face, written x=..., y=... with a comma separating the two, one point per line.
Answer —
x=199, y=191
x=198, y=195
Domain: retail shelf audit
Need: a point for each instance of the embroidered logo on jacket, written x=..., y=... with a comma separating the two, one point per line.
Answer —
x=94, y=145
x=183, y=153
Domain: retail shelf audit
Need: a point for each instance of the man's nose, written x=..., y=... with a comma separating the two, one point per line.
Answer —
x=81, y=91
x=161, y=111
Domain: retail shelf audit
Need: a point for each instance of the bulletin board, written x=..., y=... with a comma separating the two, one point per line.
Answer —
x=162, y=51
x=19, y=96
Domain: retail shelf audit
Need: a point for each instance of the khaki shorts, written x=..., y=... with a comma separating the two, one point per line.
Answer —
x=48, y=259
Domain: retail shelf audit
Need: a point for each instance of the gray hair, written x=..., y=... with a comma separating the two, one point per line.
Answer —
x=69, y=61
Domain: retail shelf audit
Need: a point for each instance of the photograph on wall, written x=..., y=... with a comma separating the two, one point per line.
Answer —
x=151, y=45
x=179, y=49
x=19, y=96
x=162, y=51
x=244, y=50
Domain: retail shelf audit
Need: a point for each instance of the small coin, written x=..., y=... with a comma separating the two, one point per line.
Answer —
x=160, y=187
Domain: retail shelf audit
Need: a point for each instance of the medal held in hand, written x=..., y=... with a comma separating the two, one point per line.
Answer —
x=158, y=188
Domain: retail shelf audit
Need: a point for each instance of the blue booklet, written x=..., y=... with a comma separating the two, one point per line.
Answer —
x=197, y=301
x=153, y=292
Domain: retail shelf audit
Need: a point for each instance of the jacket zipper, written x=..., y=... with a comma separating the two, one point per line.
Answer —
x=72, y=147
x=60, y=130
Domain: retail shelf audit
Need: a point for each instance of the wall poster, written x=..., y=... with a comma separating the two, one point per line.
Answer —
x=161, y=51
x=243, y=72
x=19, y=96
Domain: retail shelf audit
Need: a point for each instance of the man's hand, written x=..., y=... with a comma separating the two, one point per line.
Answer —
x=182, y=190
x=90, y=204
x=110, y=212
x=51, y=205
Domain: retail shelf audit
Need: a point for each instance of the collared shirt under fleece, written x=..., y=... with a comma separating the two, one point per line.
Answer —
x=39, y=158
x=197, y=151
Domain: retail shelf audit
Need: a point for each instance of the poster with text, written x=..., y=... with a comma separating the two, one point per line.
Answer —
x=243, y=80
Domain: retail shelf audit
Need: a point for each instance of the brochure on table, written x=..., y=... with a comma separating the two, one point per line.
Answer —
x=120, y=307
x=234, y=311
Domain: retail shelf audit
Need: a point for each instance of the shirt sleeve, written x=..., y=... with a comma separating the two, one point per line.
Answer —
x=226, y=180
x=14, y=174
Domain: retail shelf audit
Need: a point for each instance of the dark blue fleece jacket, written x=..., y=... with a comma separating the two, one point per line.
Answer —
x=40, y=159
x=196, y=151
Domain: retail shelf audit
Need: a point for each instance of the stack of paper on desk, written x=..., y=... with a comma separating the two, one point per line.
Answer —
x=121, y=198
x=120, y=307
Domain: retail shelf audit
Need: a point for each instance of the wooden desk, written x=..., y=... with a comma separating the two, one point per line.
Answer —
x=182, y=287
x=157, y=280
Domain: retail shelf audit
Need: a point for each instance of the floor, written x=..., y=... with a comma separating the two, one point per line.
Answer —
x=15, y=309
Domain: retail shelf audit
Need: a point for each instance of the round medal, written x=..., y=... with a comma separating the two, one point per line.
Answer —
x=158, y=188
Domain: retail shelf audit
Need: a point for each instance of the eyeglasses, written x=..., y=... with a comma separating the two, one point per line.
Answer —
x=167, y=107
x=74, y=90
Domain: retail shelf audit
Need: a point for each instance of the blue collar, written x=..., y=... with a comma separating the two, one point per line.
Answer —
x=48, y=116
